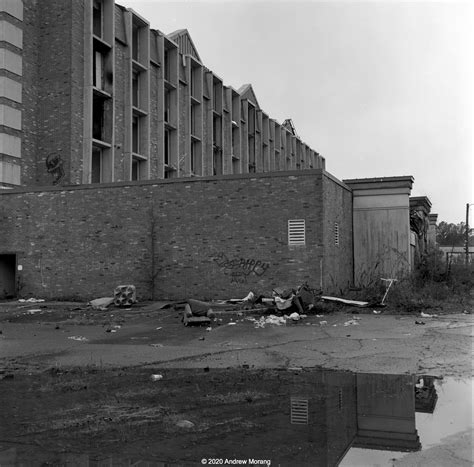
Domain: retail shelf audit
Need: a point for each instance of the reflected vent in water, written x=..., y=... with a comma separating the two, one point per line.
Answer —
x=299, y=411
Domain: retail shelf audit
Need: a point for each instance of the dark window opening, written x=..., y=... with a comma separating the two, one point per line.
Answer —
x=135, y=135
x=167, y=66
x=135, y=169
x=98, y=118
x=167, y=147
x=167, y=107
x=96, y=165
x=135, y=90
x=97, y=18
x=135, y=42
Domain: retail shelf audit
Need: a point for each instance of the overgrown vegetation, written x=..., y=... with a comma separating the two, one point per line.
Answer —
x=435, y=284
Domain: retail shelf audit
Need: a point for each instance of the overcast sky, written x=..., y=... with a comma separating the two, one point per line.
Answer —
x=380, y=88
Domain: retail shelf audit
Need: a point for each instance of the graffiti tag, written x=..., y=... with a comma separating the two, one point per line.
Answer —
x=240, y=268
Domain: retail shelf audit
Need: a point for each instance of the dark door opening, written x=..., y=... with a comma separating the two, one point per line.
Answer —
x=7, y=276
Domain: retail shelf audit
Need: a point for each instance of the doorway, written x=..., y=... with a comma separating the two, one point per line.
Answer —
x=7, y=276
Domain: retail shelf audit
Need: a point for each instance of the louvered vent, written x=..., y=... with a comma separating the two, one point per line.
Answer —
x=336, y=233
x=299, y=411
x=296, y=232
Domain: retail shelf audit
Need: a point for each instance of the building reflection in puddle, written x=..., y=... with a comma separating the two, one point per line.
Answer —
x=308, y=417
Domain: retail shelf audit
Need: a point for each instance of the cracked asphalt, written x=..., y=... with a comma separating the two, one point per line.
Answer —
x=380, y=343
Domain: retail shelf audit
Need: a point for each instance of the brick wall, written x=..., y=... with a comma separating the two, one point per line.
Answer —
x=52, y=89
x=338, y=258
x=200, y=237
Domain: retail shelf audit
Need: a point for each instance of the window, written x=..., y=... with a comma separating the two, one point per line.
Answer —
x=193, y=157
x=135, y=134
x=96, y=165
x=136, y=163
x=98, y=66
x=296, y=232
x=167, y=65
x=167, y=107
x=299, y=411
x=97, y=18
x=135, y=41
x=194, y=120
x=135, y=90
x=167, y=147
x=98, y=118
x=336, y=233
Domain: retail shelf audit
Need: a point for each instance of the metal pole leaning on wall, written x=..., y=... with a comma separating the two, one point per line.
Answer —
x=467, y=234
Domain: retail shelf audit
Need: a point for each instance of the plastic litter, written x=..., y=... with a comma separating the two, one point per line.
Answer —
x=427, y=315
x=351, y=322
x=31, y=300
x=35, y=310
x=420, y=322
x=78, y=338
x=270, y=319
x=156, y=377
x=376, y=312
x=294, y=316
x=322, y=323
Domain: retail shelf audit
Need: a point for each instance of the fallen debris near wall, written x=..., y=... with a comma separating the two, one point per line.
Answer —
x=346, y=302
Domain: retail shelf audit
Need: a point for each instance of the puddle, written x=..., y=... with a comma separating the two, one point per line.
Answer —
x=293, y=417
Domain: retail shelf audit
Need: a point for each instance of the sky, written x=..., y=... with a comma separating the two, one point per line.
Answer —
x=381, y=88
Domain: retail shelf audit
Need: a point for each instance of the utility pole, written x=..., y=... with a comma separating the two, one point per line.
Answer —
x=467, y=234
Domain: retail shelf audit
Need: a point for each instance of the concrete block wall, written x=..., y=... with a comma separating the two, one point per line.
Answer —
x=198, y=237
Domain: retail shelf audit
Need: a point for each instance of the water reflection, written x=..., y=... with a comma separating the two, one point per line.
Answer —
x=275, y=417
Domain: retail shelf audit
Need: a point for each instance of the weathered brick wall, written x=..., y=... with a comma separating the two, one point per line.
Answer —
x=338, y=259
x=204, y=238
x=52, y=89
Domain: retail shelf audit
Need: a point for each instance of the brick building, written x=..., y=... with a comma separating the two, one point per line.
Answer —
x=92, y=94
x=123, y=159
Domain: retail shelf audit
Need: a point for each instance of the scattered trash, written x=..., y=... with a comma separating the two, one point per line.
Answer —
x=156, y=345
x=420, y=322
x=156, y=377
x=319, y=316
x=294, y=316
x=231, y=323
x=185, y=424
x=201, y=338
x=249, y=298
x=157, y=329
x=31, y=300
x=346, y=302
x=209, y=329
x=270, y=319
x=101, y=303
x=466, y=312
x=377, y=312
x=351, y=322
x=125, y=295
x=420, y=383
x=427, y=315
x=35, y=310
x=295, y=368
x=78, y=338
x=322, y=323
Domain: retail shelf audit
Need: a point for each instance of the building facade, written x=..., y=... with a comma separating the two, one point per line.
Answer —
x=91, y=93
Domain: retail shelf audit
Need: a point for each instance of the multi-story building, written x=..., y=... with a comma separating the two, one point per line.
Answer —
x=90, y=93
